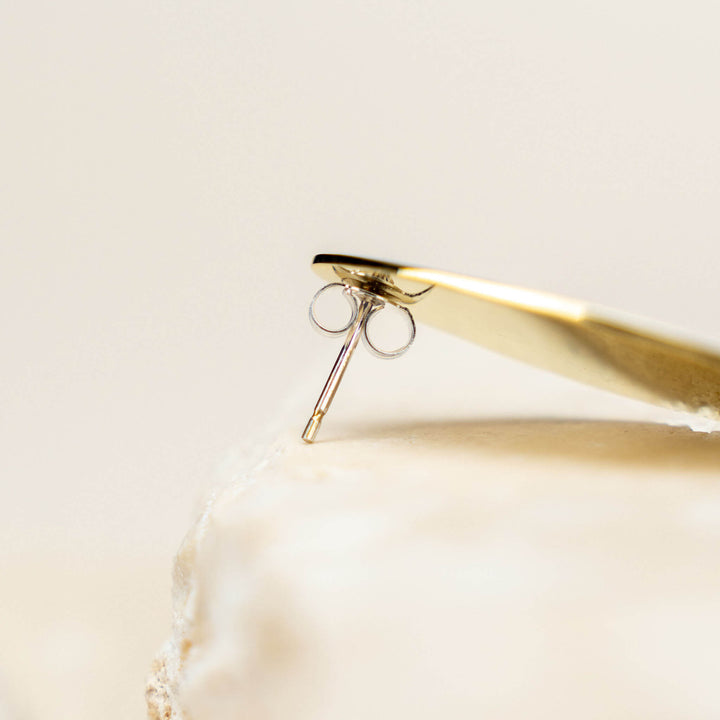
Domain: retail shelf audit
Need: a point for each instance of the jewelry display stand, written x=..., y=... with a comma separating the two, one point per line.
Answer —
x=514, y=546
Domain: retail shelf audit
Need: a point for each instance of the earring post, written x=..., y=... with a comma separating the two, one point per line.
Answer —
x=336, y=374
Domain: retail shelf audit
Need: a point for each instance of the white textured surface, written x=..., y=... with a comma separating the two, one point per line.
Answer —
x=504, y=565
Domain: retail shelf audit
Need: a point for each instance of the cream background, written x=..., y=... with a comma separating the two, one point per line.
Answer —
x=167, y=171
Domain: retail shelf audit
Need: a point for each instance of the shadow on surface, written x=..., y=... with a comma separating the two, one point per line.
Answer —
x=645, y=444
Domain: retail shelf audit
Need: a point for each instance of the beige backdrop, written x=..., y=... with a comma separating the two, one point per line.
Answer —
x=168, y=170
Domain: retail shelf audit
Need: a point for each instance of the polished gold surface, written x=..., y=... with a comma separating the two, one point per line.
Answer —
x=615, y=351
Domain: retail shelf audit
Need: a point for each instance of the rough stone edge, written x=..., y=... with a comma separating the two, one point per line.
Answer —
x=240, y=468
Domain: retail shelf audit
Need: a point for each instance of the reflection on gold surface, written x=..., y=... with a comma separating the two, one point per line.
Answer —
x=634, y=444
x=601, y=347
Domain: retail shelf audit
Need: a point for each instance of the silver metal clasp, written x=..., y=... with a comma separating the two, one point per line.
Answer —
x=365, y=305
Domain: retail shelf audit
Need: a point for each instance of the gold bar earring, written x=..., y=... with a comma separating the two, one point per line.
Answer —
x=606, y=348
